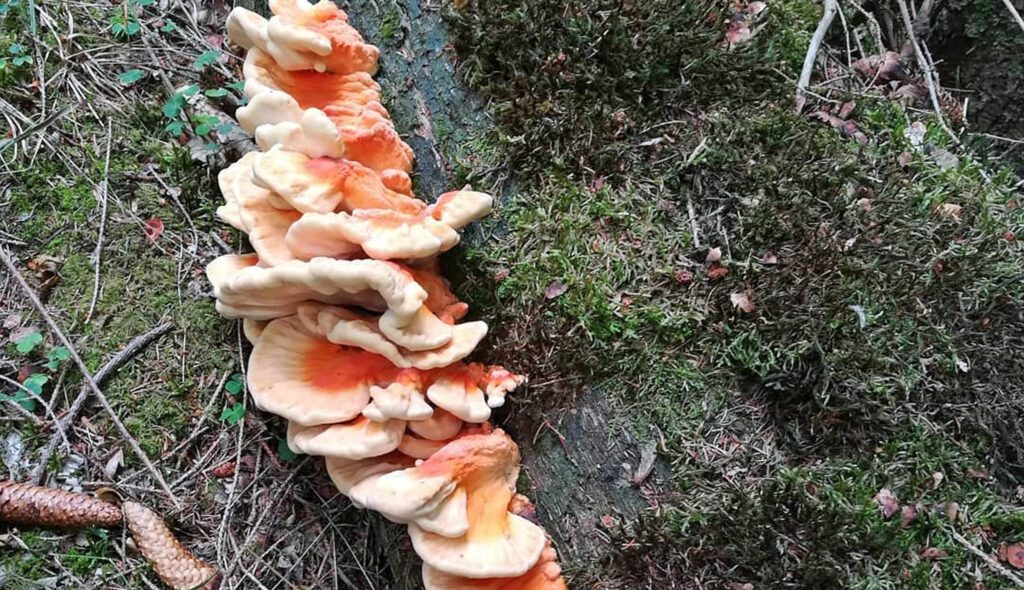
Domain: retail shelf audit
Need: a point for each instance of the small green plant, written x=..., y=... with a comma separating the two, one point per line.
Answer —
x=5, y=7
x=16, y=61
x=124, y=25
x=56, y=356
x=206, y=58
x=129, y=77
x=27, y=343
x=234, y=384
x=35, y=382
x=232, y=414
x=284, y=451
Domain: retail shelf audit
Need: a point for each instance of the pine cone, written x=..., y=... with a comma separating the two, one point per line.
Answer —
x=172, y=562
x=22, y=503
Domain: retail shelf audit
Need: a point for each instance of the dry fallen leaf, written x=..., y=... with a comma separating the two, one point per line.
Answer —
x=881, y=68
x=847, y=128
x=908, y=514
x=1013, y=554
x=742, y=302
x=555, y=289
x=887, y=502
x=114, y=463
x=153, y=228
x=950, y=212
x=717, y=272
x=933, y=553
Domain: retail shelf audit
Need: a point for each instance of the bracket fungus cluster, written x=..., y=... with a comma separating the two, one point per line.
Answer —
x=357, y=339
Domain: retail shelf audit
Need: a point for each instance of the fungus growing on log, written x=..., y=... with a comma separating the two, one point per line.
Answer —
x=355, y=332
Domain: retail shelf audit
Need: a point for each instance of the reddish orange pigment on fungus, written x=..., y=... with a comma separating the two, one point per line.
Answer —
x=334, y=367
x=362, y=188
x=312, y=89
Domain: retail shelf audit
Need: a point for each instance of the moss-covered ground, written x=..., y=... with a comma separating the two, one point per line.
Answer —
x=883, y=348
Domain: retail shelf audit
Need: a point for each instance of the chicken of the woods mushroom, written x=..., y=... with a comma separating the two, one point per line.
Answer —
x=357, y=338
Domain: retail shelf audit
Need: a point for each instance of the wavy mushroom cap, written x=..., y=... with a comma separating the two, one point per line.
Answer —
x=545, y=575
x=458, y=209
x=364, y=134
x=423, y=448
x=252, y=329
x=356, y=439
x=441, y=426
x=303, y=36
x=301, y=376
x=436, y=504
x=497, y=543
x=440, y=298
x=310, y=89
x=462, y=392
x=381, y=234
x=324, y=185
x=296, y=371
x=251, y=209
x=244, y=289
x=386, y=235
x=347, y=327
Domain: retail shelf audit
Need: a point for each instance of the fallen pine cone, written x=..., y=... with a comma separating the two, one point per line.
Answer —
x=173, y=563
x=22, y=503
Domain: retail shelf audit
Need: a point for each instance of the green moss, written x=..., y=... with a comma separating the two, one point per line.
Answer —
x=391, y=25
x=875, y=315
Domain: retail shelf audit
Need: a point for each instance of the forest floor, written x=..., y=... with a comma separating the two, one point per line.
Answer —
x=766, y=349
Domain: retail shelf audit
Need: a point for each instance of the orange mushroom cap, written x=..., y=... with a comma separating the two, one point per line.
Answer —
x=324, y=185
x=338, y=116
x=497, y=543
x=545, y=575
x=442, y=425
x=252, y=209
x=384, y=234
x=244, y=289
x=304, y=36
x=423, y=448
x=356, y=439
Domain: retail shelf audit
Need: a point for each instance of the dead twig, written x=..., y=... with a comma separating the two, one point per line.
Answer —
x=109, y=368
x=87, y=375
x=930, y=76
x=998, y=567
x=831, y=6
x=1015, y=13
x=98, y=253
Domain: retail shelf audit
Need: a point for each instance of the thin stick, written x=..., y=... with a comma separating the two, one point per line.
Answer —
x=1013, y=11
x=987, y=559
x=98, y=253
x=32, y=394
x=929, y=72
x=127, y=436
x=812, y=52
x=109, y=368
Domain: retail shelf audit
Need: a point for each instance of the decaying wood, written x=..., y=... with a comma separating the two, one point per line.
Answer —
x=575, y=476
